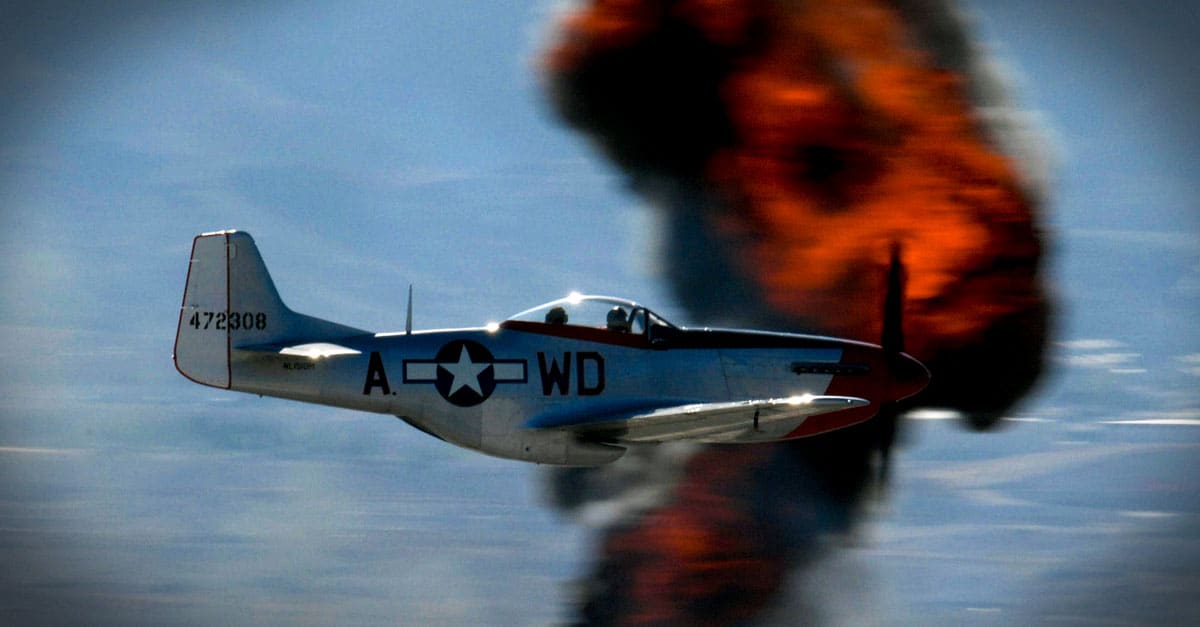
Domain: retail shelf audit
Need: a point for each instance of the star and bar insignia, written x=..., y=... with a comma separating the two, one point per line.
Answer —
x=464, y=372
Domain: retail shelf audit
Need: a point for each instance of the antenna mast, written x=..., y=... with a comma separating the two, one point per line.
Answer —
x=408, y=317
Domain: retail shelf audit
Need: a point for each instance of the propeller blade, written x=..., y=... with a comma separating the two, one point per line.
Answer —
x=893, y=305
x=892, y=341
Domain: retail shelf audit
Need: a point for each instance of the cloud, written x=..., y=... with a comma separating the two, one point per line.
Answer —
x=1099, y=354
x=1181, y=241
x=1090, y=344
x=1099, y=360
x=1190, y=364
x=253, y=92
x=1011, y=469
x=30, y=450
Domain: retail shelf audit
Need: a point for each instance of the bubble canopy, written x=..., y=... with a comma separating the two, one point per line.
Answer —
x=599, y=312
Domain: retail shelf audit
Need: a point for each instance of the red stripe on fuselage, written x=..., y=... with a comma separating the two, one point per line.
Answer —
x=586, y=334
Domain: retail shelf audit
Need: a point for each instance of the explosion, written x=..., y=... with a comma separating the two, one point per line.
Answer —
x=791, y=144
x=794, y=147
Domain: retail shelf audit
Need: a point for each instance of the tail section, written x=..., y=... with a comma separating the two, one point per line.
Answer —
x=231, y=303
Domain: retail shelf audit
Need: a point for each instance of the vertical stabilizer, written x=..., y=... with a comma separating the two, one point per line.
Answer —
x=231, y=303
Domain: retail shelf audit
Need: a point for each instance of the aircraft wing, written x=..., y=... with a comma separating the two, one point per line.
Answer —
x=762, y=420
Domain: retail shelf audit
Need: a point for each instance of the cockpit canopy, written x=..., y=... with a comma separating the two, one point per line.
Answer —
x=598, y=312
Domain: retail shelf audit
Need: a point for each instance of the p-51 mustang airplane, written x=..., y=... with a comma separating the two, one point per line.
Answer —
x=572, y=382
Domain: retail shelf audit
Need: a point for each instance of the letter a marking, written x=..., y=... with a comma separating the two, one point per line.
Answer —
x=376, y=377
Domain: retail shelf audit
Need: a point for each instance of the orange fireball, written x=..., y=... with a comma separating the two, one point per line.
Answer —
x=804, y=140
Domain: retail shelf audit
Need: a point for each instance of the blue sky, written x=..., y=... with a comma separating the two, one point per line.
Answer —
x=367, y=148
x=372, y=145
x=408, y=135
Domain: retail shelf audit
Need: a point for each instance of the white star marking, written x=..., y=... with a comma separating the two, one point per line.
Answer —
x=465, y=373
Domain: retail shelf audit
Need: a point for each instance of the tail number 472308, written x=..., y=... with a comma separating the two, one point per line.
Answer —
x=228, y=320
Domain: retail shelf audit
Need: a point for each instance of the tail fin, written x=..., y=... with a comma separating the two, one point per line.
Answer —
x=230, y=303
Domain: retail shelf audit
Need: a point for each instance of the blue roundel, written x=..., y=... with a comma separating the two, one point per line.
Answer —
x=465, y=374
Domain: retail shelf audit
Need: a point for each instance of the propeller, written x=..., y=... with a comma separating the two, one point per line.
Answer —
x=892, y=341
x=893, y=305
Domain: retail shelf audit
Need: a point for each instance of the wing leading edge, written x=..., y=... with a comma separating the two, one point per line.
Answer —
x=763, y=420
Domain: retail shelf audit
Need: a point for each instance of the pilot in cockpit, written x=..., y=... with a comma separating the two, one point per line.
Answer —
x=557, y=315
x=618, y=320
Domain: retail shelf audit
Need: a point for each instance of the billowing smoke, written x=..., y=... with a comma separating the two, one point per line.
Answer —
x=790, y=146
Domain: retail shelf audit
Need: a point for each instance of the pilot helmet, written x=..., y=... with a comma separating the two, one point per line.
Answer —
x=557, y=315
x=617, y=319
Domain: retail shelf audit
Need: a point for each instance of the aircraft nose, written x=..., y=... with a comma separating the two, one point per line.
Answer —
x=909, y=376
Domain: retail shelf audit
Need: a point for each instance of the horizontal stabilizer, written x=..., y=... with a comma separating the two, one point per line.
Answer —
x=762, y=420
x=313, y=350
